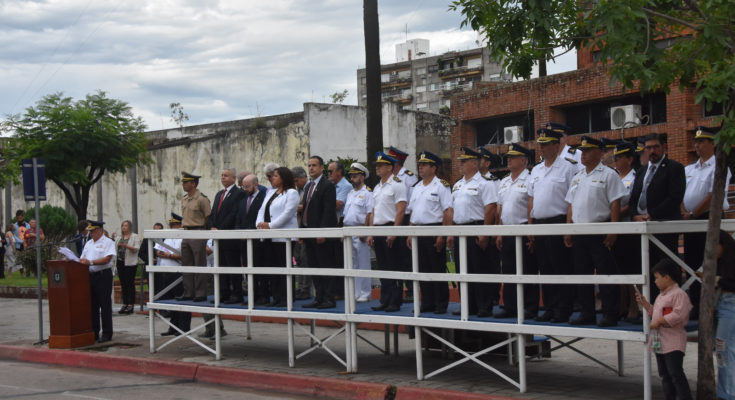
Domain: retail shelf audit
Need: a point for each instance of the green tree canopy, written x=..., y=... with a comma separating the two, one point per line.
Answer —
x=80, y=141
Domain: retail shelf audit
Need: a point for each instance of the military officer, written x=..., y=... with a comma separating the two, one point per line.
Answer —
x=167, y=258
x=357, y=210
x=409, y=179
x=489, y=160
x=594, y=196
x=429, y=205
x=195, y=210
x=547, y=188
x=98, y=254
x=389, y=210
x=513, y=210
x=474, y=202
x=565, y=151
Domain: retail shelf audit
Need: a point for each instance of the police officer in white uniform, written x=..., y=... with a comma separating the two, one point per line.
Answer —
x=566, y=151
x=409, y=179
x=429, y=203
x=547, y=187
x=357, y=210
x=513, y=210
x=389, y=210
x=700, y=178
x=167, y=257
x=98, y=254
x=594, y=196
x=489, y=160
x=474, y=202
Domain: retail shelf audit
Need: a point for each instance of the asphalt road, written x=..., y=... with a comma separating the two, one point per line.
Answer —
x=28, y=381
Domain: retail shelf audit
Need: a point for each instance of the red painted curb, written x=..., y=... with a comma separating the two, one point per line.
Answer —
x=415, y=393
x=73, y=358
x=294, y=384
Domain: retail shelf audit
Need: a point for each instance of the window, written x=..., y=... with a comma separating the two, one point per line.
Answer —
x=491, y=131
x=420, y=89
x=405, y=92
x=433, y=68
x=384, y=77
x=595, y=117
x=715, y=108
x=420, y=71
x=404, y=74
x=363, y=80
x=433, y=87
x=474, y=62
x=446, y=102
x=420, y=106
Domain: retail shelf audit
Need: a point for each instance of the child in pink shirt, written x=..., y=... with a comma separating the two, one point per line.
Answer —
x=669, y=316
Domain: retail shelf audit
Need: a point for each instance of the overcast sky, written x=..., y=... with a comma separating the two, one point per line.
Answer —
x=222, y=60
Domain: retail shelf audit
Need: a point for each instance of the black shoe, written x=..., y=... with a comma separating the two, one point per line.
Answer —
x=165, y=313
x=302, y=296
x=313, y=304
x=607, y=320
x=424, y=309
x=326, y=304
x=103, y=339
x=483, y=314
x=222, y=333
x=561, y=319
x=169, y=333
x=392, y=308
x=123, y=310
x=545, y=317
x=504, y=313
x=206, y=335
x=261, y=301
x=183, y=298
x=232, y=300
x=380, y=307
x=276, y=303
x=440, y=310
x=583, y=320
x=199, y=299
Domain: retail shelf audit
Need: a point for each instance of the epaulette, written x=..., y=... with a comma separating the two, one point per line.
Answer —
x=486, y=178
x=612, y=168
x=397, y=179
x=445, y=183
x=203, y=195
x=493, y=177
x=570, y=160
x=572, y=150
x=369, y=189
x=409, y=173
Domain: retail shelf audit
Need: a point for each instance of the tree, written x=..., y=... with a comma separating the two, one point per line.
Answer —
x=653, y=45
x=178, y=115
x=80, y=141
x=522, y=33
x=374, y=113
x=339, y=97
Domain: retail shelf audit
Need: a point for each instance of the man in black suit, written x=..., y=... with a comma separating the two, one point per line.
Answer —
x=657, y=194
x=247, y=213
x=222, y=217
x=319, y=204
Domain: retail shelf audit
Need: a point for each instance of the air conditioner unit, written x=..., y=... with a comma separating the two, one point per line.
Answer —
x=621, y=114
x=512, y=134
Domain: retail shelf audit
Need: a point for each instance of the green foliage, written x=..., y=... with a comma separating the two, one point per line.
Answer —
x=57, y=224
x=80, y=141
x=346, y=162
x=177, y=114
x=27, y=258
x=339, y=97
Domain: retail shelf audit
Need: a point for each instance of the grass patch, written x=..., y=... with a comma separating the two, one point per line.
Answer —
x=16, y=279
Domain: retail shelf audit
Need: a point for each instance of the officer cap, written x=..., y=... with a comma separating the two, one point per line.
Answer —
x=429, y=158
x=547, y=136
x=468, y=154
x=357, y=168
x=704, y=132
x=487, y=154
x=187, y=177
x=626, y=148
x=608, y=144
x=175, y=219
x=558, y=128
x=382, y=158
x=92, y=225
x=516, y=150
x=640, y=144
x=397, y=154
x=589, y=142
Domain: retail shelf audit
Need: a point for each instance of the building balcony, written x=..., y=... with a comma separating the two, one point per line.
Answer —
x=395, y=82
x=460, y=72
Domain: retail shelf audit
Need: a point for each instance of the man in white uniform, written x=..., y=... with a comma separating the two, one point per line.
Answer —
x=357, y=210
x=98, y=254
x=167, y=257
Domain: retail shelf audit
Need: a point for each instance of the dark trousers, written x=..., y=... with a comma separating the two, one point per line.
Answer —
x=230, y=285
x=391, y=290
x=553, y=258
x=590, y=254
x=406, y=263
x=491, y=256
x=2, y=262
x=100, y=285
x=321, y=255
x=277, y=258
x=694, y=256
x=673, y=380
x=530, y=291
x=126, y=274
x=261, y=283
x=434, y=294
x=180, y=319
x=480, y=297
x=627, y=254
x=194, y=253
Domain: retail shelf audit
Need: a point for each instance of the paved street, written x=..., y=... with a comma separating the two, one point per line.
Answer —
x=566, y=375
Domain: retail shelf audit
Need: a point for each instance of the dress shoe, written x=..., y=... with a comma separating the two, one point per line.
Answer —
x=380, y=307
x=313, y=304
x=276, y=303
x=426, y=308
x=131, y=309
x=199, y=299
x=261, y=301
x=583, y=320
x=222, y=333
x=440, y=310
x=302, y=296
x=183, y=298
x=170, y=333
x=232, y=300
x=607, y=320
x=362, y=300
x=206, y=335
x=561, y=319
x=483, y=314
x=326, y=304
x=545, y=317
x=123, y=310
x=392, y=308
x=103, y=339
x=504, y=313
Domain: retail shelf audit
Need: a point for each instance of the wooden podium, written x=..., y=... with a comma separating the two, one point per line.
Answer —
x=70, y=310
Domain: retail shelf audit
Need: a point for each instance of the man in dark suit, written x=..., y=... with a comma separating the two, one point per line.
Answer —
x=657, y=194
x=222, y=217
x=247, y=213
x=319, y=204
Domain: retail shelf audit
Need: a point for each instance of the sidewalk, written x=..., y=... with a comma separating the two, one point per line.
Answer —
x=566, y=375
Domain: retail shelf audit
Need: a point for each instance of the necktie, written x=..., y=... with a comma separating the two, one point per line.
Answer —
x=306, y=206
x=250, y=200
x=643, y=201
x=221, y=199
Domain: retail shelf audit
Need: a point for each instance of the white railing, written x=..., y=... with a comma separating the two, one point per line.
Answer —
x=350, y=318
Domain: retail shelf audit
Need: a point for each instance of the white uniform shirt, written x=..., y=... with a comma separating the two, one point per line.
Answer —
x=700, y=178
x=493, y=179
x=409, y=181
x=549, y=186
x=591, y=194
x=513, y=196
x=103, y=247
x=628, y=181
x=386, y=196
x=428, y=202
x=577, y=156
x=358, y=205
x=469, y=198
x=168, y=262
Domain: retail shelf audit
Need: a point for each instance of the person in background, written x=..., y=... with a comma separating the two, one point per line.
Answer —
x=98, y=254
x=195, y=210
x=358, y=207
x=668, y=338
x=268, y=171
x=409, y=179
x=303, y=289
x=169, y=258
x=209, y=329
x=725, y=336
x=247, y=214
x=30, y=237
x=19, y=229
x=82, y=236
x=10, y=248
x=127, y=246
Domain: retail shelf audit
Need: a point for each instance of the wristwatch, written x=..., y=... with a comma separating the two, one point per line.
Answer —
x=91, y=263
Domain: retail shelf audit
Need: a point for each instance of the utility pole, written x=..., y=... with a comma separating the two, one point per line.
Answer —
x=372, y=83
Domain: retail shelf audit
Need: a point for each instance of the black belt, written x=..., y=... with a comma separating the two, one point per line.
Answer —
x=195, y=228
x=473, y=223
x=386, y=224
x=100, y=271
x=559, y=219
x=434, y=224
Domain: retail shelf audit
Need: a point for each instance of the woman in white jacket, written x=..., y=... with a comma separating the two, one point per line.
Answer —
x=279, y=212
x=127, y=246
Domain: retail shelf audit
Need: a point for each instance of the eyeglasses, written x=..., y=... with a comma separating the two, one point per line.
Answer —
x=329, y=171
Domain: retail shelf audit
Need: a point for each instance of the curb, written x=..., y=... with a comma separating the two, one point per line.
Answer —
x=416, y=393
